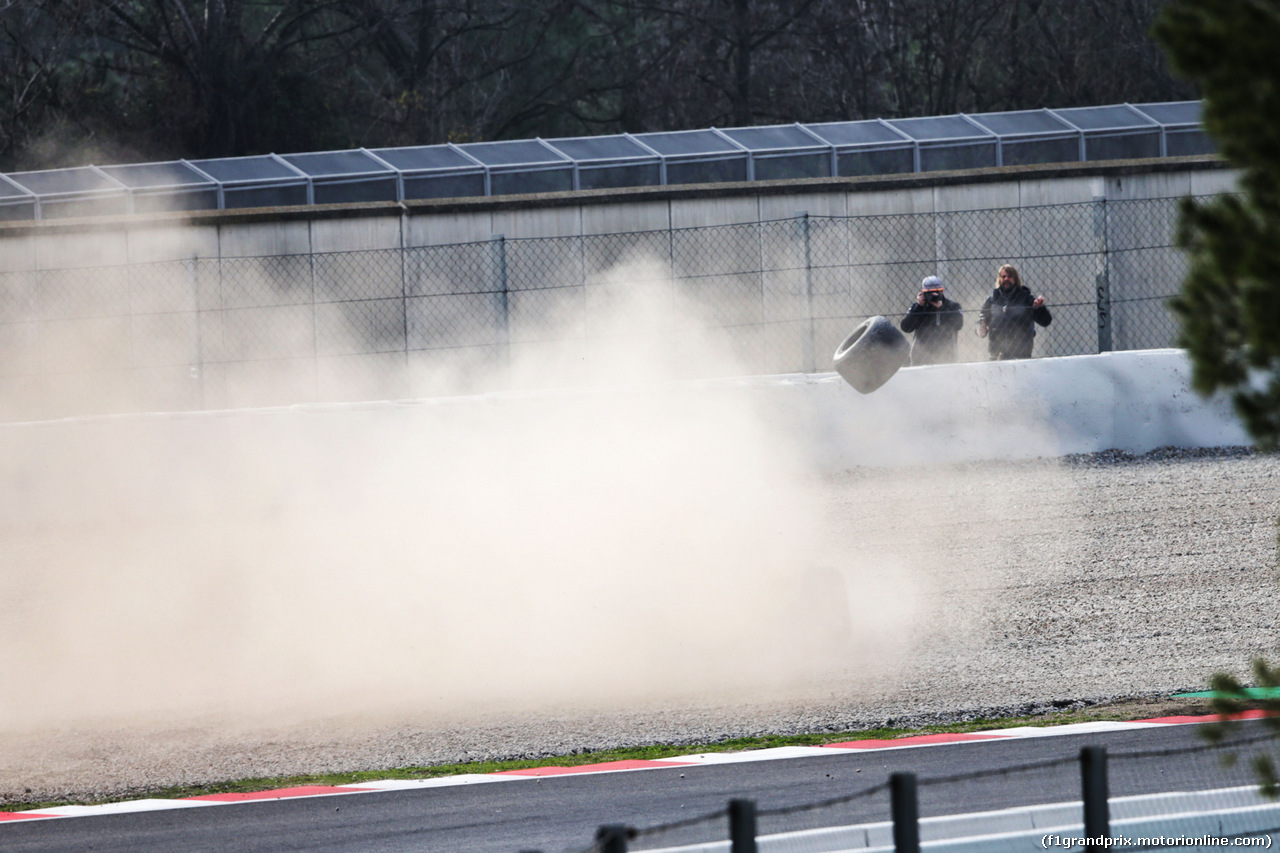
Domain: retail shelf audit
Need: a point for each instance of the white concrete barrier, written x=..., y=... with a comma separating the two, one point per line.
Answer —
x=1131, y=401
x=1038, y=408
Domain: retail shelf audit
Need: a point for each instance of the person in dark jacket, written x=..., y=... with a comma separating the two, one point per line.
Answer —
x=936, y=321
x=1009, y=317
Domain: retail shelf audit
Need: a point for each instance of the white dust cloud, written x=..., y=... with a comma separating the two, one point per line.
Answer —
x=623, y=540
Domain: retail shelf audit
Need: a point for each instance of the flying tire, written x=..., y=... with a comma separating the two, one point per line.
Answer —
x=871, y=354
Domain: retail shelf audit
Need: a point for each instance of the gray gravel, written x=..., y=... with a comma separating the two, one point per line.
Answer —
x=1033, y=585
x=1089, y=577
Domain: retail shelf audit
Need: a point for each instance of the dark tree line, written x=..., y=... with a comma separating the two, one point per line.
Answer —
x=133, y=80
x=1230, y=298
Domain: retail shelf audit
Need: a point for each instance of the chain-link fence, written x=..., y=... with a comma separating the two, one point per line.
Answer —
x=760, y=298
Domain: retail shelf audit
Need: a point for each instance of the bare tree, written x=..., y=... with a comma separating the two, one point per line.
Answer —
x=1066, y=53
x=420, y=59
x=38, y=39
x=842, y=63
x=716, y=51
x=224, y=77
x=155, y=79
x=930, y=49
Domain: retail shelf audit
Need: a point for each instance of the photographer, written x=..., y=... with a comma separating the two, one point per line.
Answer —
x=936, y=321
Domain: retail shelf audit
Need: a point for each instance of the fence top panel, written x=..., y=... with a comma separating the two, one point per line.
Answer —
x=791, y=138
x=1121, y=117
x=77, y=181
x=265, y=172
x=327, y=164
x=691, y=143
x=941, y=129
x=258, y=170
x=428, y=158
x=1174, y=114
x=619, y=148
x=790, y=149
x=154, y=176
x=520, y=152
x=11, y=190
x=1024, y=123
x=850, y=134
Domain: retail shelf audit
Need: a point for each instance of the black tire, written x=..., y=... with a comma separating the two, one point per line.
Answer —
x=871, y=354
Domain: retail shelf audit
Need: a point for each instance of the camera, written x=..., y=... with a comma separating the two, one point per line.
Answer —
x=932, y=295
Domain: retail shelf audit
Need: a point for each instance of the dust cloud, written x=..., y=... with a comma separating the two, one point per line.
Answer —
x=619, y=541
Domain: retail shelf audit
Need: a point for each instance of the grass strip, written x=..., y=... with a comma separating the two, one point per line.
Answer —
x=1247, y=692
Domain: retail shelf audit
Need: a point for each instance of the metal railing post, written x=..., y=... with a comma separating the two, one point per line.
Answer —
x=742, y=826
x=498, y=246
x=809, y=344
x=611, y=838
x=404, y=298
x=905, y=810
x=1093, y=785
x=191, y=266
x=1103, y=279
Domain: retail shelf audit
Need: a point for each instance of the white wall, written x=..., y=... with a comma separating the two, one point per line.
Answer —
x=1046, y=407
x=708, y=438
x=150, y=330
x=97, y=241
x=1132, y=401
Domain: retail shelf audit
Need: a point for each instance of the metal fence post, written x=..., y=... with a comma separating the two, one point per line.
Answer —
x=742, y=826
x=197, y=341
x=809, y=344
x=611, y=838
x=404, y=298
x=671, y=261
x=1093, y=784
x=1103, y=279
x=498, y=247
x=315, y=322
x=905, y=810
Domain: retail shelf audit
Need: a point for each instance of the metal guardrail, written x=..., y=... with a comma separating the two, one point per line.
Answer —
x=829, y=149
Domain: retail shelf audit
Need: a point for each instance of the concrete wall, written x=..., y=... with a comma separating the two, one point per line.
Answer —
x=110, y=241
x=958, y=413
x=1131, y=401
x=612, y=444
x=215, y=310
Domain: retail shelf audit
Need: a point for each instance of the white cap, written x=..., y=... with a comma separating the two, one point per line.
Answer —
x=932, y=282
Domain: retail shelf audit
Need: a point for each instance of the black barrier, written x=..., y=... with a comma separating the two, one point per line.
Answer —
x=904, y=794
x=1093, y=787
x=612, y=838
x=905, y=808
x=742, y=826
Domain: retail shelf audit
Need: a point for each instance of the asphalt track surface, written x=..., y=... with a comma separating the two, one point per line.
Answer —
x=562, y=813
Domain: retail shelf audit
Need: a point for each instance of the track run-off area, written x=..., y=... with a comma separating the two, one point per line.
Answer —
x=390, y=586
